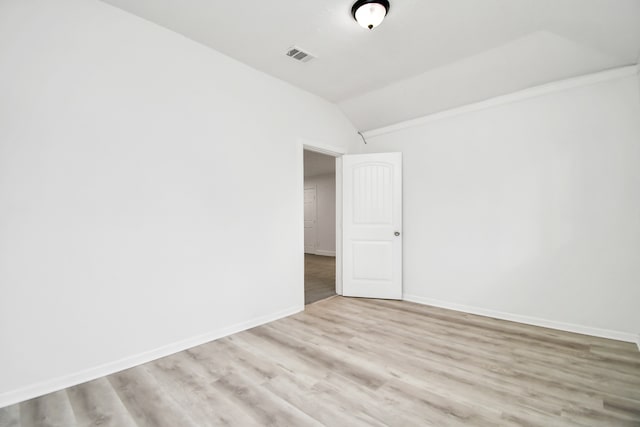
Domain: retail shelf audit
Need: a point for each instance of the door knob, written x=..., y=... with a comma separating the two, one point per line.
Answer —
x=397, y=233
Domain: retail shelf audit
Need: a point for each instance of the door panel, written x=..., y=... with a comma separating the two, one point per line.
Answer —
x=372, y=225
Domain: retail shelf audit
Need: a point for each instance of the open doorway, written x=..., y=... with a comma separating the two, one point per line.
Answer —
x=319, y=226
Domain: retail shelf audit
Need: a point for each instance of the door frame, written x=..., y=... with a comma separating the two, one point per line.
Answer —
x=336, y=152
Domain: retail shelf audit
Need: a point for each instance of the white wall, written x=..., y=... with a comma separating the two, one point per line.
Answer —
x=529, y=209
x=134, y=169
x=326, y=212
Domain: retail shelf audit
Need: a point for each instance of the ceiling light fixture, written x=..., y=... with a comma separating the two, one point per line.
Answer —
x=370, y=13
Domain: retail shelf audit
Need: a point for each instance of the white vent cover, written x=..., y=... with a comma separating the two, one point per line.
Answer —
x=299, y=54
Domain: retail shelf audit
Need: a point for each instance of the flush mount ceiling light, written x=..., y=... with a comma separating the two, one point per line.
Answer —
x=370, y=13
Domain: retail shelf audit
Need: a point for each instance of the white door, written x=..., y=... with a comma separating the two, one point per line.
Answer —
x=372, y=225
x=310, y=237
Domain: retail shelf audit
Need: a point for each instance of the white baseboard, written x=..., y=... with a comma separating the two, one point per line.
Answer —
x=552, y=324
x=49, y=386
x=638, y=342
x=322, y=252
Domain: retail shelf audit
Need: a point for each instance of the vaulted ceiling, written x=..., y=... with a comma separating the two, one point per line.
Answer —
x=427, y=56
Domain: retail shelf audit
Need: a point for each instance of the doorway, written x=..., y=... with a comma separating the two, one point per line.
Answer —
x=319, y=226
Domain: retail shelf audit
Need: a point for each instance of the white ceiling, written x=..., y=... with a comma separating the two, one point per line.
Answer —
x=318, y=164
x=427, y=56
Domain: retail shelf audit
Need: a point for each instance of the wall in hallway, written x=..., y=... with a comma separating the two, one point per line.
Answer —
x=326, y=212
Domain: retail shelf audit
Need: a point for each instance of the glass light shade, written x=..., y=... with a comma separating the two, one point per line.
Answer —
x=370, y=15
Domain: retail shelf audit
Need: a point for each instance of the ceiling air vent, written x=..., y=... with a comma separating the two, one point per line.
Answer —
x=299, y=55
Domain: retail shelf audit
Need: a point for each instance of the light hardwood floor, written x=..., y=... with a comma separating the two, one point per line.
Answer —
x=319, y=277
x=359, y=362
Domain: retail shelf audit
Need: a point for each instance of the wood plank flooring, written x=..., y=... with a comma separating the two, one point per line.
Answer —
x=359, y=362
x=319, y=277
